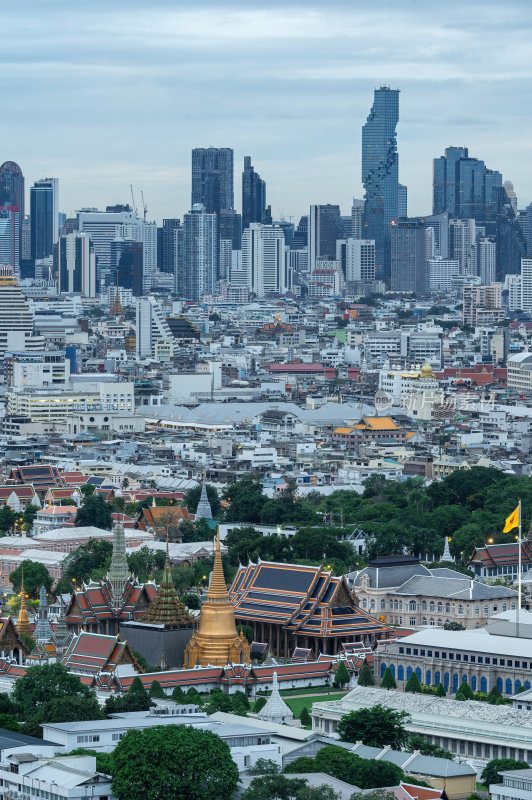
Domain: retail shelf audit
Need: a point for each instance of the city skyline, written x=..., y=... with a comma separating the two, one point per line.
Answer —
x=289, y=87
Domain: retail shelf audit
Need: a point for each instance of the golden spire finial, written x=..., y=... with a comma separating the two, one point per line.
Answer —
x=23, y=623
x=218, y=587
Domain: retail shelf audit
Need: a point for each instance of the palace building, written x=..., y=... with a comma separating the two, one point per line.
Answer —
x=291, y=606
x=217, y=642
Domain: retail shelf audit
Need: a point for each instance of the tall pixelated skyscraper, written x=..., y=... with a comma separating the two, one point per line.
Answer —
x=253, y=195
x=380, y=174
x=12, y=186
x=44, y=214
x=212, y=178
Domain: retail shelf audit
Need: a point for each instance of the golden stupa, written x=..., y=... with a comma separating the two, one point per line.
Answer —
x=23, y=623
x=217, y=641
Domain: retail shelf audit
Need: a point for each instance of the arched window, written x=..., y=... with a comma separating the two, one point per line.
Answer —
x=517, y=686
x=391, y=605
x=440, y=608
x=504, y=606
x=424, y=621
x=432, y=607
x=527, y=685
x=440, y=623
x=392, y=669
x=474, y=683
x=428, y=678
x=412, y=605
x=383, y=605
x=446, y=681
x=364, y=603
x=499, y=684
x=484, y=685
x=432, y=621
x=424, y=605
x=455, y=683
x=383, y=669
x=461, y=610
x=408, y=672
x=372, y=605
x=447, y=608
x=400, y=605
x=400, y=673
x=508, y=689
x=396, y=605
x=418, y=673
x=437, y=679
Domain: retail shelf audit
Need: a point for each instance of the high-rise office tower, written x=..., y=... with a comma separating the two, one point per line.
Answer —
x=253, y=195
x=167, y=260
x=263, y=259
x=526, y=285
x=44, y=216
x=151, y=325
x=408, y=255
x=462, y=237
x=380, y=174
x=510, y=191
x=465, y=187
x=76, y=264
x=103, y=227
x=230, y=227
x=12, y=186
x=300, y=237
x=402, y=201
x=200, y=267
x=324, y=229
x=10, y=237
x=127, y=265
x=357, y=218
x=149, y=254
x=212, y=178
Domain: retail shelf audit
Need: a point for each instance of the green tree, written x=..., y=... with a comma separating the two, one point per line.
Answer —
x=388, y=681
x=156, y=690
x=413, y=685
x=453, y=626
x=117, y=704
x=175, y=762
x=192, y=497
x=376, y=726
x=260, y=702
x=494, y=695
x=341, y=676
x=84, y=562
x=192, y=601
x=35, y=576
x=63, y=709
x=245, y=500
x=365, y=677
x=145, y=562
x=279, y=787
x=7, y=519
x=94, y=511
x=372, y=774
x=44, y=683
x=264, y=766
x=440, y=691
x=9, y=723
x=88, y=489
x=492, y=771
x=376, y=794
x=30, y=512
x=466, y=691
x=137, y=687
x=416, y=742
x=305, y=718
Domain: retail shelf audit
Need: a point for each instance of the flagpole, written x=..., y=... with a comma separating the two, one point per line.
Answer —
x=519, y=575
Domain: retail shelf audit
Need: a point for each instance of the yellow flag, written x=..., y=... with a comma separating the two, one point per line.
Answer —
x=512, y=521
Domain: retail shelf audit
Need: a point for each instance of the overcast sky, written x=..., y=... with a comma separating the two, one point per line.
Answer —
x=104, y=94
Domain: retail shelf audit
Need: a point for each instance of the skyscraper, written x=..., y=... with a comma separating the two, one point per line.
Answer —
x=76, y=264
x=200, y=267
x=263, y=259
x=44, y=215
x=465, y=187
x=324, y=229
x=167, y=244
x=408, y=255
x=10, y=237
x=380, y=175
x=12, y=186
x=253, y=195
x=212, y=178
x=16, y=316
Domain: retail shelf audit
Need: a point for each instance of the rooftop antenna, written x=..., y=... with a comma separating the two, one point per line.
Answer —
x=144, y=206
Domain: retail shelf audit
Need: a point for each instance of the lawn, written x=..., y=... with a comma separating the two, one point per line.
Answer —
x=307, y=690
x=297, y=703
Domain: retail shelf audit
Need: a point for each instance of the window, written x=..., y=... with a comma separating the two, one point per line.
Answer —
x=440, y=608
x=408, y=651
x=383, y=605
x=412, y=605
x=486, y=610
x=477, y=611
x=412, y=621
x=432, y=607
x=460, y=610
x=447, y=608
x=424, y=605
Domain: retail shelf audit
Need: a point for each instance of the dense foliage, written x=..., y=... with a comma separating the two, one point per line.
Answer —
x=35, y=575
x=492, y=770
x=362, y=772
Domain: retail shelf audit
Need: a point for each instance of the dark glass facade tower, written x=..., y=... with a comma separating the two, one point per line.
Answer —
x=44, y=218
x=408, y=255
x=12, y=186
x=168, y=244
x=380, y=175
x=253, y=195
x=465, y=188
x=212, y=178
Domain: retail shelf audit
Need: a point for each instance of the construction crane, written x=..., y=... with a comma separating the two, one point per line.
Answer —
x=144, y=206
x=133, y=200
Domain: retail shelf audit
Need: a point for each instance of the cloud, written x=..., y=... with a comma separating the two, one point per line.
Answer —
x=103, y=95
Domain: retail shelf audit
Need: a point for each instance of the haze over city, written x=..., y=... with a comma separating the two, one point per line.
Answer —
x=104, y=95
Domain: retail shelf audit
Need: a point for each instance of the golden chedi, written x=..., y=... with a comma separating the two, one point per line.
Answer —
x=217, y=641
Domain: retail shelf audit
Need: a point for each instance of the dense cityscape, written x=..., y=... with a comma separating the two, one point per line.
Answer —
x=266, y=481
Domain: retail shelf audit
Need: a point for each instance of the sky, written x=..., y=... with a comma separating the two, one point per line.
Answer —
x=106, y=94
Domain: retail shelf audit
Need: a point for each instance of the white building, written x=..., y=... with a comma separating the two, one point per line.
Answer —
x=360, y=260
x=442, y=272
x=27, y=772
x=149, y=255
x=512, y=285
x=16, y=317
x=462, y=236
x=520, y=370
x=263, y=259
x=10, y=237
x=151, y=326
x=200, y=258
x=76, y=264
x=516, y=785
x=526, y=284
x=104, y=227
x=484, y=257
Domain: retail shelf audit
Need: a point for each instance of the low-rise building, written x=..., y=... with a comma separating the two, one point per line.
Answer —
x=516, y=785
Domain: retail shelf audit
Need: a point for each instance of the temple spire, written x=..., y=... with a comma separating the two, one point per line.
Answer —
x=203, y=510
x=218, y=587
x=23, y=623
x=43, y=631
x=118, y=571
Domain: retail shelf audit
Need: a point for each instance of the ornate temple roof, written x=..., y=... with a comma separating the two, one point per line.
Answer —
x=117, y=309
x=276, y=710
x=167, y=609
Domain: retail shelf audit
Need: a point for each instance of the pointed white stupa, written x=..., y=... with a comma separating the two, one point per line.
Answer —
x=446, y=552
x=276, y=709
x=203, y=510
